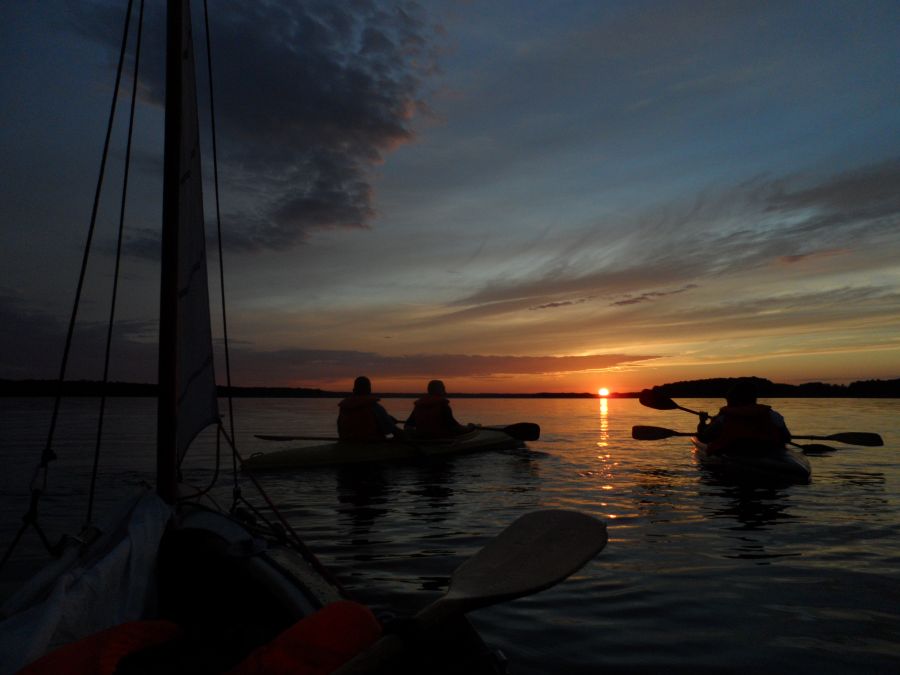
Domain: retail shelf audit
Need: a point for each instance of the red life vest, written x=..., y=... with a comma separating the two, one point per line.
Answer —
x=430, y=416
x=356, y=419
x=317, y=644
x=100, y=653
x=747, y=425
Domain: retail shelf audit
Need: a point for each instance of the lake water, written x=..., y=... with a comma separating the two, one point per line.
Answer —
x=698, y=575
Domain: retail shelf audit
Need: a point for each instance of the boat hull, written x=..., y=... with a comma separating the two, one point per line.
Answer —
x=788, y=466
x=349, y=452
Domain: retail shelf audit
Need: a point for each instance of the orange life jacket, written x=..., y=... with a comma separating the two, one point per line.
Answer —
x=356, y=419
x=748, y=426
x=430, y=416
x=317, y=644
x=100, y=653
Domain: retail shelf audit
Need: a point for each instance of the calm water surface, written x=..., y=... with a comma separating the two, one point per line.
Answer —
x=698, y=576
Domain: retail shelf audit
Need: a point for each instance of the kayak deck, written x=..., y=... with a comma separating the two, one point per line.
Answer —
x=789, y=466
x=341, y=453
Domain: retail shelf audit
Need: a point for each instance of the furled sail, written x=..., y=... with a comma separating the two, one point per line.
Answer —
x=187, y=378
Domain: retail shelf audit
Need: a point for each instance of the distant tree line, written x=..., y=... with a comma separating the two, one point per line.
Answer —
x=709, y=388
x=717, y=388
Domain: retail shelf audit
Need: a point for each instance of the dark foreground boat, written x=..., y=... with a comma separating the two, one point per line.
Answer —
x=174, y=584
x=779, y=466
x=342, y=453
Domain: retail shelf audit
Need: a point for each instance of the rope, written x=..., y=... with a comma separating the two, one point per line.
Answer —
x=236, y=490
x=47, y=455
x=115, y=288
x=307, y=554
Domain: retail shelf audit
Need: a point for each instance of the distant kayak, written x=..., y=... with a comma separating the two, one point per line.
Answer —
x=785, y=466
x=341, y=453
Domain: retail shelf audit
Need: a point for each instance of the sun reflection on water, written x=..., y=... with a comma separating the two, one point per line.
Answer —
x=604, y=424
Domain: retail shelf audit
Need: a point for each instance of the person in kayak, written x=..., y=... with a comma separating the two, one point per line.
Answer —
x=432, y=415
x=362, y=418
x=743, y=424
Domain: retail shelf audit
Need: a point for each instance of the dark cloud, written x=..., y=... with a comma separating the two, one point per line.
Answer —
x=874, y=310
x=308, y=364
x=562, y=303
x=652, y=295
x=862, y=199
x=800, y=257
x=31, y=346
x=309, y=98
x=32, y=343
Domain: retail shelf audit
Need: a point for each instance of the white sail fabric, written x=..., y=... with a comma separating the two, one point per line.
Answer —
x=195, y=378
x=73, y=599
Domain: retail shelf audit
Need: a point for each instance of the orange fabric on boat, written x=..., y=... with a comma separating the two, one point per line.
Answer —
x=100, y=653
x=743, y=423
x=430, y=416
x=317, y=644
x=356, y=419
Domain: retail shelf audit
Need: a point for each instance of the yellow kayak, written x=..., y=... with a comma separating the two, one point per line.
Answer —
x=340, y=453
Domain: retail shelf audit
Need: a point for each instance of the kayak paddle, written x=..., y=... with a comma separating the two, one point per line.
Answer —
x=642, y=433
x=537, y=551
x=655, y=400
x=849, y=437
x=521, y=431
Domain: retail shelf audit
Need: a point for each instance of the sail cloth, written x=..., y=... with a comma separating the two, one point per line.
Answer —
x=76, y=597
x=196, y=404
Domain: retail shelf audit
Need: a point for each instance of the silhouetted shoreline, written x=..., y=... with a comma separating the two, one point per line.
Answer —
x=709, y=388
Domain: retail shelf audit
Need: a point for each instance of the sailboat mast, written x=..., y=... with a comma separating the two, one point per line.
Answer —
x=187, y=380
x=166, y=462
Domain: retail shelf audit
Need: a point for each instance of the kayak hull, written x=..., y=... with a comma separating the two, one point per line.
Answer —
x=788, y=466
x=341, y=453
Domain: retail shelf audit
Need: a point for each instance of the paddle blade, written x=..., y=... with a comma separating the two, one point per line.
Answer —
x=522, y=431
x=642, y=433
x=655, y=400
x=850, y=438
x=535, y=552
x=857, y=438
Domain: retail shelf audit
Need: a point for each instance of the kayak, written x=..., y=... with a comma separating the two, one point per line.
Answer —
x=340, y=453
x=785, y=466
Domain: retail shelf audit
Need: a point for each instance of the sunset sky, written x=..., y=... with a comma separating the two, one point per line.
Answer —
x=512, y=196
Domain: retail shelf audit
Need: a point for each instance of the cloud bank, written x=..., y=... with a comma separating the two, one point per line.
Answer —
x=309, y=98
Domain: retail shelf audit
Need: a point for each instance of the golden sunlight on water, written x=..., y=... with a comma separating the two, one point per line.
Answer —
x=605, y=456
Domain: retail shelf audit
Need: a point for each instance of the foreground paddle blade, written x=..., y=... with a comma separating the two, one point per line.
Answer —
x=537, y=551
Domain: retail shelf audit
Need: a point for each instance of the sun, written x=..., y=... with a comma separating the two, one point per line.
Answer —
x=603, y=391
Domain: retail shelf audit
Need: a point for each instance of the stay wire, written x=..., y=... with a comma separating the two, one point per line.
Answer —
x=115, y=288
x=47, y=455
x=215, y=163
x=230, y=439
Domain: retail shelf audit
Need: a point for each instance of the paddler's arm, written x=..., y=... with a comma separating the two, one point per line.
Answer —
x=702, y=425
x=778, y=419
x=708, y=429
x=387, y=425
